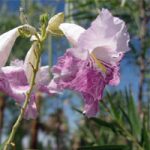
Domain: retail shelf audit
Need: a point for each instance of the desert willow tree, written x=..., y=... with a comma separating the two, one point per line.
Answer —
x=29, y=78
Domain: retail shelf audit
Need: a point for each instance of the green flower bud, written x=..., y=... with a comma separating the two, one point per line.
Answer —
x=44, y=18
x=53, y=24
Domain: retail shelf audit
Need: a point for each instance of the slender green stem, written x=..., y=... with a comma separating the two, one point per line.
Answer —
x=96, y=3
x=50, y=51
x=27, y=100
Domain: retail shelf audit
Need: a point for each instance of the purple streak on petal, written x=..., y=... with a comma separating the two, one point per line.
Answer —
x=112, y=73
x=91, y=106
x=116, y=76
x=67, y=67
x=31, y=111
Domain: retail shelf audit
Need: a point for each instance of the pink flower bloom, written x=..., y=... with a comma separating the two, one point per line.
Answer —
x=93, y=62
x=14, y=81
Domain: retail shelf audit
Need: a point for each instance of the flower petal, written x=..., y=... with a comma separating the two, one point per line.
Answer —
x=72, y=32
x=91, y=106
x=7, y=41
x=43, y=79
x=13, y=82
x=79, y=53
x=54, y=87
x=81, y=78
x=116, y=76
x=43, y=75
x=107, y=38
x=31, y=110
x=30, y=61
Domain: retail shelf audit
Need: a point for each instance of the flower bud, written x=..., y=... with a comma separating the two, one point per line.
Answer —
x=44, y=18
x=27, y=30
x=53, y=24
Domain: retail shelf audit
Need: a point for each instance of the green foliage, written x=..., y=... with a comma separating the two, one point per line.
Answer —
x=145, y=135
x=133, y=115
x=2, y=145
x=100, y=122
x=123, y=120
x=106, y=147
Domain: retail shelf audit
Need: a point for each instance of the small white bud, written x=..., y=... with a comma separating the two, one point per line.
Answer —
x=53, y=24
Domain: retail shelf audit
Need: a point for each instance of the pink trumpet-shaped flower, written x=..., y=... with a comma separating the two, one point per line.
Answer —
x=93, y=62
x=14, y=81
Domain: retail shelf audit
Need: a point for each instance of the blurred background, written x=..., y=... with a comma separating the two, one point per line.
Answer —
x=61, y=125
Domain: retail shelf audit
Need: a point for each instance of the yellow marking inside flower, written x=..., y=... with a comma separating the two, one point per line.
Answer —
x=99, y=64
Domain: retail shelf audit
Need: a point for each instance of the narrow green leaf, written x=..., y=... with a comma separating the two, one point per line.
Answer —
x=125, y=115
x=133, y=115
x=79, y=111
x=105, y=147
x=113, y=109
x=112, y=125
x=145, y=138
x=100, y=122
